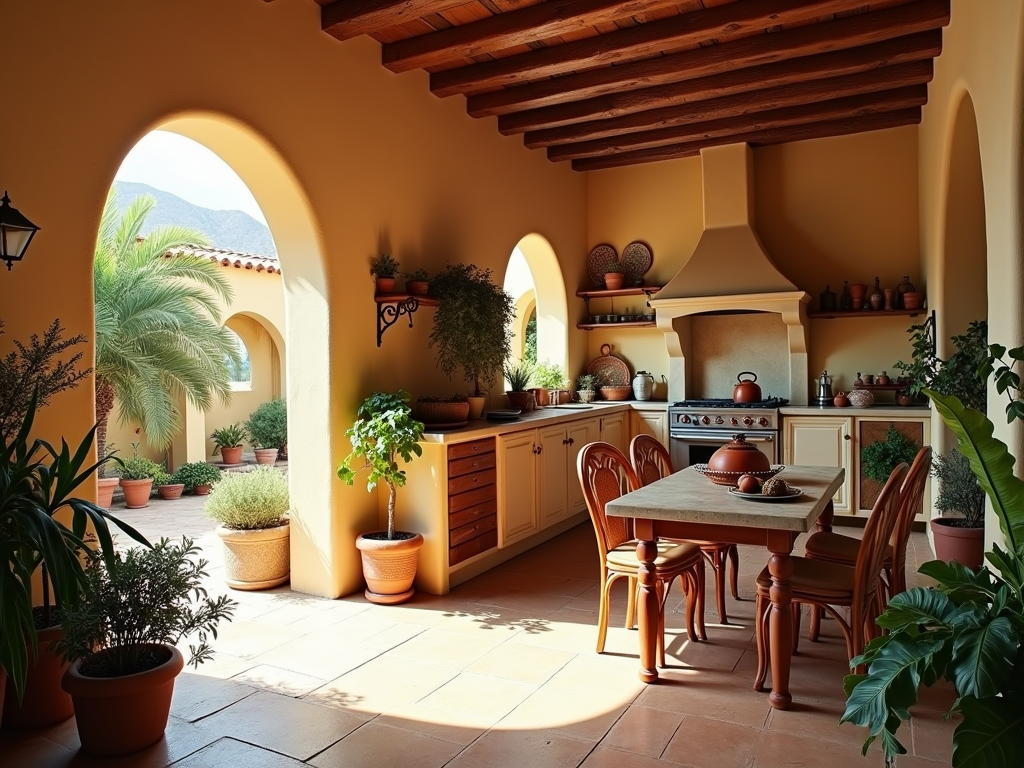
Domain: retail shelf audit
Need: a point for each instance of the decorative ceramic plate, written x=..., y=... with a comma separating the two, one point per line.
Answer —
x=510, y=415
x=636, y=260
x=445, y=427
x=597, y=263
x=612, y=371
x=796, y=494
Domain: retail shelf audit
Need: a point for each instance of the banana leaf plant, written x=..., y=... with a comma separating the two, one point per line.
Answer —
x=36, y=483
x=967, y=630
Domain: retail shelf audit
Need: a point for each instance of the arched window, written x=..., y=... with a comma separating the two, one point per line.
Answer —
x=240, y=373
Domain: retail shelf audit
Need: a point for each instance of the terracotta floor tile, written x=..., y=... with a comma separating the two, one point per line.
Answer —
x=33, y=751
x=196, y=696
x=436, y=723
x=643, y=731
x=248, y=639
x=703, y=743
x=932, y=735
x=604, y=757
x=231, y=752
x=523, y=600
x=534, y=748
x=808, y=717
x=277, y=680
x=180, y=740
x=774, y=749
x=294, y=728
x=704, y=696
x=514, y=660
x=316, y=658
x=486, y=698
x=354, y=629
x=376, y=745
x=391, y=637
x=222, y=666
x=449, y=649
x=382, y=684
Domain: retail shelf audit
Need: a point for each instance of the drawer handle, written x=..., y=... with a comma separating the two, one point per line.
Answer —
x=847, y=437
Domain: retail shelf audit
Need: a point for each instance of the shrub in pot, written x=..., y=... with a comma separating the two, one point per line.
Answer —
x=417, y=283
x=228, y=443
x=384, y=270
x=551, y=378
x=518, y=375
x=960, y=533
x=121, y=642
x=267, y=429
x=385, y=430
x=167, y=486
x=586, y=387
x=197, y=477
x=137, y=474
x=252, y=509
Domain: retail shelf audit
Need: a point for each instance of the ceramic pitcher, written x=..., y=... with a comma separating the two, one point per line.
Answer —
x=643, y=385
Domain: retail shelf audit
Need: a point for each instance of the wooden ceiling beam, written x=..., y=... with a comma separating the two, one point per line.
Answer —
x=651, y=39
x=841, y=34
x=867, y=58
x=823, y=130
x=508, y=30
x=738, y=105
x=834, y=109
x=350, y=18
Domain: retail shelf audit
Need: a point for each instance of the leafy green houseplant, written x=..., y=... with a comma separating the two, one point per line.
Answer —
x=959, y=532
x=267, y=429
x=138, y=607
x=383, y=432
x=957, y=376
x=383, y=266
x=518, y=375
x=137, y=475
x=198, y=476
x=472, y=329
x=586, y=387
x=252, y=509
x=549, y=375
x=168, y=486
x=878, y=460
x=417, y=283
x=227, y=442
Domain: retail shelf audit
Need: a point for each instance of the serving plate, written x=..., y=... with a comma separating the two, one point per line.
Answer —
x=503, y=415
x=797, y=493
x=597, y=263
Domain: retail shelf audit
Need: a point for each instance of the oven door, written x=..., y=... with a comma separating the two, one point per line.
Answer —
x=689, y=447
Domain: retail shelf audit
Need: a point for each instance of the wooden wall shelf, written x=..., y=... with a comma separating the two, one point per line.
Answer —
x=598, y=326
x=634, y=291
x=869, y=313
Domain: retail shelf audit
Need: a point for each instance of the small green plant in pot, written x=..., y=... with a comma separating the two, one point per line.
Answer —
x=252, y=509
x=227, y=441
x=417, y=283
x=137, y=475
x=384, y=269
x=267, y=429
x=586, y=387
x=383, y=432
x=518, y=374
x=551, y=377
x=198, y=477
x=168, y=486
x=122, y=640
x=614, y=275
x=959, y=534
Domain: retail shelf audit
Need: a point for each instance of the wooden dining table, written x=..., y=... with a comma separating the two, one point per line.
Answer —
x=686, y=505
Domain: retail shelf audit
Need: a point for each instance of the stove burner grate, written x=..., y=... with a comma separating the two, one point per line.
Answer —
x=771, y=402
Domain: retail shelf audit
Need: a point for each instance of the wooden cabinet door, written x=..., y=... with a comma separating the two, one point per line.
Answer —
x=822, y=441
x=579, y=433
x=552, y=477
x=653, y=423
x=517, y=515
x=871, y=429
x=613, y=430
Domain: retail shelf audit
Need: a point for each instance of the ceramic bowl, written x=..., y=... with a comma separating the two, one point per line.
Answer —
x=860, y=398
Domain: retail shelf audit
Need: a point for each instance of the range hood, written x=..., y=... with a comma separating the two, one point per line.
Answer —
x=730, y=271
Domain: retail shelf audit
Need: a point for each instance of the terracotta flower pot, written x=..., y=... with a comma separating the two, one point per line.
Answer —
x=953, y=542
x=136, y=492
x=120, y=715
x=385, y=284
x=201, y=490
x=417, y=287
x=476, y=406
x=613, y=281
x=258, y=559
x=542, y=395
x=171, y=491
x=231, y=455
x=105, y=490
x=45, y=702
x=389, y=566
x=518, y=400
x=266, y=456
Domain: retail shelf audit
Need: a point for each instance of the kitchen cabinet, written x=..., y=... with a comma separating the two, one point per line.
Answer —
x=822, y=441
x=871, y=429
x=518, y=516
x=472, y=499
x=652, y=422
x=613, y=430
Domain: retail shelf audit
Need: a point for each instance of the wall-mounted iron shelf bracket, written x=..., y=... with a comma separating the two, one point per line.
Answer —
x=391, y=307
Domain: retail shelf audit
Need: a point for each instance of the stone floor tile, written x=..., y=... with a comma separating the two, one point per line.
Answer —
x=381, y=685
x=374, y=745
x=277, y=680
x=514, y=660
x=448, y=649
x=230, y=752
x=700, y=742
x=196, y=696
x=702, y=696
x=773, y=749
x=248, y=639
x=604, y=757
x=533, y=748
x=932, y=735
x=436, y=723
x=643, y=731
x=315, y=657
x=486, y=698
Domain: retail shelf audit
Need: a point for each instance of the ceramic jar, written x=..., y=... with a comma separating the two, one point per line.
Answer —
x=841, y=400
x=857, y=293
x=905, y=287
x=860, y=398
x=739, y=456
x=876, y=297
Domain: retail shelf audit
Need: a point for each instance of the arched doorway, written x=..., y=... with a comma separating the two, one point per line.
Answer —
x=533, y=277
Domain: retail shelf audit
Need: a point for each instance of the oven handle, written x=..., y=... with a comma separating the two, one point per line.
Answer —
x=718, y=439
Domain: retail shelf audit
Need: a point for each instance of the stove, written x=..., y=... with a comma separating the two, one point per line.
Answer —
x=770, y=402
x=698, y=428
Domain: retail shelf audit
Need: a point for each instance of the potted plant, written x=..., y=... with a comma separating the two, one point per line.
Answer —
x=228, y=443
x=121, y=642
x=417, y=283
x=106, y=484
x=197, y=477
x=551, y=379
x=252, y=509
x=959, y=537
x=472, y=328
x=385, y=430
x=137, y=474
x=168, y=486
x=586, y=387
x=443, y=411
x=267, y=429
x=518, y=375
x=956, y=376
x=37, y=484
x=614, y=275
x=384, y=269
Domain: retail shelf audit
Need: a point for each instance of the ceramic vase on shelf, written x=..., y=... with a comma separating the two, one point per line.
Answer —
x=876, y=297
x=905, y=287
x=889, y=297
x=857, y=293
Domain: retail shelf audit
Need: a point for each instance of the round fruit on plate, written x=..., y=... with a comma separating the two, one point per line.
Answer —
x=748, y=484
x=776, y=486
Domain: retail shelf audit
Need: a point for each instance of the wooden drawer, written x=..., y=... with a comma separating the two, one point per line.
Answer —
x=461, y=501
x=464, y=533
x=472, y=514
x=459, y=467
x=469, y=482
x=481, y=543
x=472, y=448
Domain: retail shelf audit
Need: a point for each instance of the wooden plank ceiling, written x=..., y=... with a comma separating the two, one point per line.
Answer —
x=607, y=83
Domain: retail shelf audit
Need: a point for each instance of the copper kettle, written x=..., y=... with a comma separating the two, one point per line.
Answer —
x=746, y=391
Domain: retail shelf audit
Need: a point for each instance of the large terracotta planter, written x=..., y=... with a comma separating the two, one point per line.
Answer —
x=389, y=565
x=171, y=491
x=266, y=456
x=105, y=490
x=965, y=545
x=136, y=492
x=258, y=559
x=201, y=490
x=120, y=715
x=231, y=455
x=45, y=702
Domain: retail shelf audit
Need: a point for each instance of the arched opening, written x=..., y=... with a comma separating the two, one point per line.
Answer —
x=533, y=277
x=240, y=371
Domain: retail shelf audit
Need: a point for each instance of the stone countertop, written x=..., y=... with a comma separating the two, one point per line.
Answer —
x=885, y=410
x=542, y=417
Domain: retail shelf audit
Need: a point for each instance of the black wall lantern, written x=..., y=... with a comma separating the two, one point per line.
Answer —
x=16, y=232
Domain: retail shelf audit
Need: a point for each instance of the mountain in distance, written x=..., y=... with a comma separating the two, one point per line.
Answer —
x=234, y=230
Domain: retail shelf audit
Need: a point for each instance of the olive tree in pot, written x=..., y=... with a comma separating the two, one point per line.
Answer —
x=267, y=429
x=121, y=641
x=472, y=328
x=385, y=430
x=252, y=509
x=960, y=531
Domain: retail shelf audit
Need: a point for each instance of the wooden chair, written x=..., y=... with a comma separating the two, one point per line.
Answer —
x=837, y=548
x=605, y=474
x=829, y=585
x=651, y=461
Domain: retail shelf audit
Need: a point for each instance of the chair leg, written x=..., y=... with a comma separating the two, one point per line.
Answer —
x=734, y=574
x=631, y=603
x=602, y=612
x=797, y=613
x=814, y=631
x=718, y=564
x=761, y=641
x=699, y=600
x=692, y=589
x=662, y=589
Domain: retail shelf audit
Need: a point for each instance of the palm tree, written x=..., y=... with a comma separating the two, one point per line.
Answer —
x=158, y=327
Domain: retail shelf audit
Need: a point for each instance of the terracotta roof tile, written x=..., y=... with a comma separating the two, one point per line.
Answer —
x=229, y=258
